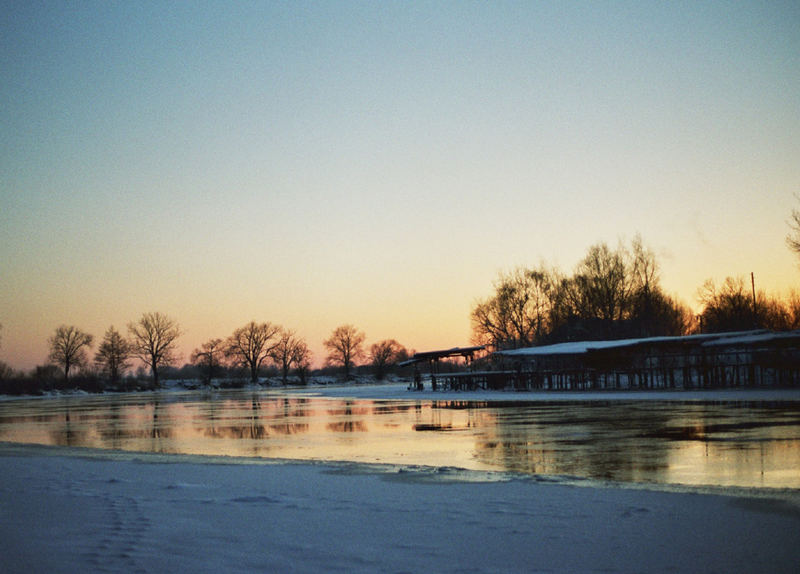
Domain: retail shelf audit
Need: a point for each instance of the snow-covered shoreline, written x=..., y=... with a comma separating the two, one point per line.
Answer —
x=400, y=391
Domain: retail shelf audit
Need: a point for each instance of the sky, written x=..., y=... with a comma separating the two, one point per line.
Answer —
x=379, y=163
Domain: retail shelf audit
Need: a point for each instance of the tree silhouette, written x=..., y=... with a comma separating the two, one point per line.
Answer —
x=153, y=341
x=384, y=354
x=252, y=344
x=68, y=347
x=612, y=293
x=113, y=354
x=518, y=315
x=345, y=347
x=209, y=357
x=290, y=350
x=728, y=308
x=793, y=239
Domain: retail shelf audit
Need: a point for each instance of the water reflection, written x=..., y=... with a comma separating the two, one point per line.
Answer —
x=737, y=444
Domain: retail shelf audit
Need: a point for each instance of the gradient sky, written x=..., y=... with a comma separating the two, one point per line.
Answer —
x=378, y=163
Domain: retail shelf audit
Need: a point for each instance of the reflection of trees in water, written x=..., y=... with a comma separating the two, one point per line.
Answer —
x=389, y=409
x=255, y=418
x=255, y=429
x=346, y=421
x=238, y=419
x=288, y=411
x=160, y=430
x=70, y=433
x=628, y=441
x=111, y=430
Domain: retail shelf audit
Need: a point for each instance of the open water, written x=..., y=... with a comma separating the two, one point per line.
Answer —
x=742, y=443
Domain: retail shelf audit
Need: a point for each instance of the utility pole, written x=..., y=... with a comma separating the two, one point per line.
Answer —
x=753, y=285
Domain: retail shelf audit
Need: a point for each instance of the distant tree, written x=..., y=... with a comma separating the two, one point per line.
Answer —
x=605, y=283
x=209, y=357
x=657, y=314
x=46, y=373
x=383, y=355
x=252, y=344
x=303, y=367
x=793, y=309
x=345, y=347
x=68, y=348
x=793, y=239
x=154, y=340
x=777, y=314
x=113, y=355
x=612, y=293
x=519, y=313
x=288, y=352
x=727, y=308
x=6, y=372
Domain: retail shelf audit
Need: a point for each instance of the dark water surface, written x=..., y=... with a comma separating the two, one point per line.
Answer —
x=741, y=443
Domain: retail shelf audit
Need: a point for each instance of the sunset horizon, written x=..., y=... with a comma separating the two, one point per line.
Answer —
x=379, y=165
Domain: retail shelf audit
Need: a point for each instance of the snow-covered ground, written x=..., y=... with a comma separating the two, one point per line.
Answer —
x=72, y=510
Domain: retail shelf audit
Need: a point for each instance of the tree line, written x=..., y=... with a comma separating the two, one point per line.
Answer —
x=612, y=293
x=616, y=293
x=153, y=338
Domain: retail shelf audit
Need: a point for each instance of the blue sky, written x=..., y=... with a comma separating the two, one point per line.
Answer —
x=379, y=163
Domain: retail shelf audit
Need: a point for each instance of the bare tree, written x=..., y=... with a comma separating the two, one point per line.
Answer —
x=384, y=354
x=518, y=314
x=345, y=346
x=209, y=357
x=68, y=347
x=252, y=344
x=113, y=354
x=154, y=341
x=793, y=239
x=290, y=351
x=6, y=372
x=605, y=282
x=729, y=308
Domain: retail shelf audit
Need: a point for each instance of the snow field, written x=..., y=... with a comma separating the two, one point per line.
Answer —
x=141, y=514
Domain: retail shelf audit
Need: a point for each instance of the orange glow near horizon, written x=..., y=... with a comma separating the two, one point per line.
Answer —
x=379, y=165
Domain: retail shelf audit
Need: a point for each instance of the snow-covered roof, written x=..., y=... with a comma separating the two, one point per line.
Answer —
x=753, y=338
x=582, y=347
x=441, y=354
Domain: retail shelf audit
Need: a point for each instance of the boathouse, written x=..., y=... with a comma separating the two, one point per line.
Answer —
x=718, y=360
x=705, y=361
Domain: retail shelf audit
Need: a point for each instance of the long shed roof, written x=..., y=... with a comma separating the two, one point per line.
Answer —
x=707, y=339
x=436, y=355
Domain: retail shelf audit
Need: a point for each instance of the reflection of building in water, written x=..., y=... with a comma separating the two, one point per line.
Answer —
x=719, y=360
x=597, y=439
x=723, y=443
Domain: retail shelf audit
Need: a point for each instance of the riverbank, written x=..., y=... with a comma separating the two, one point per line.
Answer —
x=143, y=513
x=400, y=390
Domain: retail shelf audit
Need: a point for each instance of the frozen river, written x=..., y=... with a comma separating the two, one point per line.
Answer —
x=743, y=443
